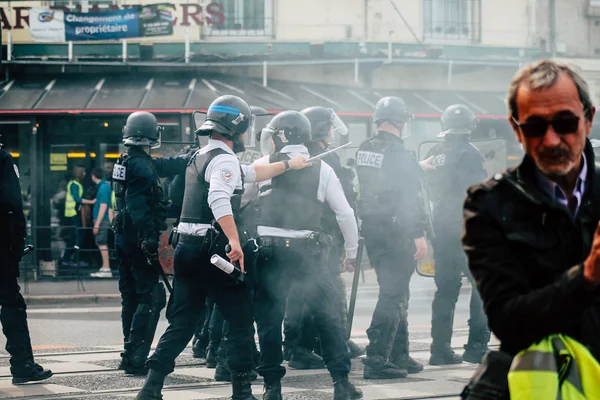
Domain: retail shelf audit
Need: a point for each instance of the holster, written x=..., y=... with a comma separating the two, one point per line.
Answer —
x=174, y=238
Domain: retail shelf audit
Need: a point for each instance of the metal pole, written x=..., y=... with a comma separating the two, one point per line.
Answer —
x=356, y=72
x=449, y=72
x=264, y=73
x=124, y=43
x=70, y=51
x=187, y=45
x=390, y=30
x=552, y=16
x=9, y=44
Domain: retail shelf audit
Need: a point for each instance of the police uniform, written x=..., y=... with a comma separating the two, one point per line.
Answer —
x=458, y=165
x=213, y=188
x=140, y=217
x=298, y=325
x=393, y=218
x=13, y=315
x=293, y=248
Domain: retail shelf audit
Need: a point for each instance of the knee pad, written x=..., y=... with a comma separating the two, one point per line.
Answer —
x=158, y=300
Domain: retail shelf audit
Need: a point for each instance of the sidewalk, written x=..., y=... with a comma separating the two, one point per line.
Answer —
x=53, y=292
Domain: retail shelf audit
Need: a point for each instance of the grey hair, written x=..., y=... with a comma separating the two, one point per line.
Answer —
x=544, y=74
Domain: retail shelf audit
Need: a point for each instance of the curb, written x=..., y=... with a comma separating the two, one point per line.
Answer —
x=91, y=298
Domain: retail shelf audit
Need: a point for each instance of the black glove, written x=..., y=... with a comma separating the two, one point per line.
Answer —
x=150, y=248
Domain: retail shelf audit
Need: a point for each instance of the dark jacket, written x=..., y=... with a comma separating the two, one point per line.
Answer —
x=526, y=254
x=12, y=218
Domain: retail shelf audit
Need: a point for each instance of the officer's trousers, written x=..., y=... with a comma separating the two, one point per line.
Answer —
x=392, y=258
x=450, y=264
x=277, y=268
x=13, y=317
x=298, y=325
x=195, y=278
x=142, y=299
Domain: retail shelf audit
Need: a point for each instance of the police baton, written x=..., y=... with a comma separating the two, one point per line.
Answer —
x=28, y=249
x=155, y=263
x=354, y=292
x=328, y=151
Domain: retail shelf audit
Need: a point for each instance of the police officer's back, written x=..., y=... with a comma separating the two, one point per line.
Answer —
x=12, y=242
x=140, y=217
x=393, y=226
x=457, y=165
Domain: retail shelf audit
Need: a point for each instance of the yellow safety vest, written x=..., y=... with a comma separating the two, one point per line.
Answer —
x=113, y=200
x=70, y=204
x=536, y=374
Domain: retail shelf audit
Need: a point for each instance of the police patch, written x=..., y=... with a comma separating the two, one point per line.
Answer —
x=369, y=159
x=226, y=175
x=119, y=172
x=16, y=171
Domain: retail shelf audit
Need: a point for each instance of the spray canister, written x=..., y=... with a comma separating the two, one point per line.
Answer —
x=226, y=266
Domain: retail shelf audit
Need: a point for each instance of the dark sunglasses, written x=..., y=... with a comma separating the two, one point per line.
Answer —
x=537, y=127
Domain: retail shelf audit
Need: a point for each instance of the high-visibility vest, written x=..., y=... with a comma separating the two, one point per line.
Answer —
x=113, y=200
x=558, y=367
x=70, y=204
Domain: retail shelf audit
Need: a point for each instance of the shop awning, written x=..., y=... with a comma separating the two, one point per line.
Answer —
x=178, y=93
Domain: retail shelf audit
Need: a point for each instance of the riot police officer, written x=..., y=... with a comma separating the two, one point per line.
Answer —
x=457, y=165
x=298, y=323
x=393, y=225
x=294, y=248
x=213, y=188
x=13, y=314
x=141, y=213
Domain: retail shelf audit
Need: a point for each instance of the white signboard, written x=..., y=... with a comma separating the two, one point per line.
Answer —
x=47, y=25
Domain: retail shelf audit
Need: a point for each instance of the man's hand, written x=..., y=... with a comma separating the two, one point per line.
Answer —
x=349, y=265
x=591, y=266
x=421, y=245
x=96, y=230
x=150, y=248
x=299, y=162
x=426, y=164
x=236, y=254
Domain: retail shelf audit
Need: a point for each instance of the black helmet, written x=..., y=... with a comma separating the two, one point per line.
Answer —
x=259, y=120
x=390, y=109
x=227, y=115
x=142, y=129
x=288, y=127
x=256, y=110
x=458, y=119
x=322, y=121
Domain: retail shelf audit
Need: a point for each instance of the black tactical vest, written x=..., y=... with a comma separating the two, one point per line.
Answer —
x=379, y=180
x=195, y=208
x=158, y=204
x=293, y=202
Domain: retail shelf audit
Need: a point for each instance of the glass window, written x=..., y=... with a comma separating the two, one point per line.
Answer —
x=451, y=19
x=244, y=18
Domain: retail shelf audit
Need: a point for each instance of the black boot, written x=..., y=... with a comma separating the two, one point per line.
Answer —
x=444, y=355
x=344, y=390
x=304, y=359
x=477, y=345
x=152, y=387
x=124, y=364
x=272, y=389
x=400, y=356
x=242, y=387
x=30, y=372
x=222, y=373
x=211, y=357
x=377, y=368
x=199, y=347
x=474, y=352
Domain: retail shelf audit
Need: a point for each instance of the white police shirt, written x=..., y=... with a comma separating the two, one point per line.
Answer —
x=224, y=176
x=330, y=191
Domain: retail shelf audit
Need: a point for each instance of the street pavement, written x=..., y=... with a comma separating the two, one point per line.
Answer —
x=81, y=343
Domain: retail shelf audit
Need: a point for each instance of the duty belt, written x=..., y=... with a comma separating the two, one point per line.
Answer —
x=191, y=239
x=314, y=240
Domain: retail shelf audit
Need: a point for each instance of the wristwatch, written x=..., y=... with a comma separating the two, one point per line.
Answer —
x=287, y=164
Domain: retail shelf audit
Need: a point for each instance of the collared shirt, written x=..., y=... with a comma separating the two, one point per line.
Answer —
x=557, y=194
x=330, y=191
x=224, y=174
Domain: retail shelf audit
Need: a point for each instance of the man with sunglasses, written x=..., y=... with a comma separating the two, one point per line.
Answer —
x=457, y=165
x=531, y=234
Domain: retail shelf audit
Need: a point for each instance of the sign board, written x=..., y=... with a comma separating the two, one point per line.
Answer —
x=58, y=158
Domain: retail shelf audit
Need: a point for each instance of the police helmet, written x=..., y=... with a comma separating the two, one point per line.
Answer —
x=390, y=109
x=142, y=129
x=286, y=128
x=324, y=122
x=458, y=119
x=259, y=119
x=227, y=115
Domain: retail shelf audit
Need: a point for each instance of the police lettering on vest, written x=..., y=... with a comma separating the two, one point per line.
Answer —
x=369, y=159
x=119, y=172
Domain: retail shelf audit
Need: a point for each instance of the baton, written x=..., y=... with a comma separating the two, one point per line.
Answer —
x=28, y=249
x=154, y=262
x=328, y=151
x=355, y=281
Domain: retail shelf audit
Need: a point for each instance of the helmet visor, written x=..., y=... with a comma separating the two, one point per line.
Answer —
x=337, y=130
x=267, y=145
x=250, y=138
